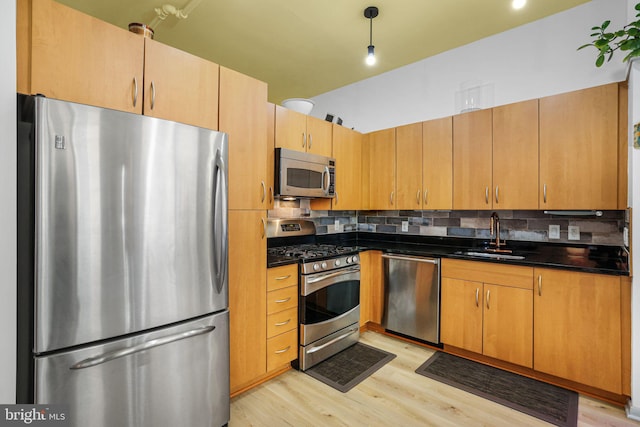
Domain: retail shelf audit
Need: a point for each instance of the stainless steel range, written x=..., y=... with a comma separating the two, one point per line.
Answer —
x=329, y=289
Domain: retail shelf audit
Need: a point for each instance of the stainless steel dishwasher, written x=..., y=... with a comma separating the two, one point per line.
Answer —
x=412, y=296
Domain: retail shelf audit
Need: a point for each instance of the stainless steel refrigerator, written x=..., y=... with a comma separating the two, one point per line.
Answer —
x=122, y=276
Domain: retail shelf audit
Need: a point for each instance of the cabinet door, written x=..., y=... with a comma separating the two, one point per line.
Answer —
x=409, y=167
x=247, y=297
x=78, y=58
x=577, y=327
x=382, y=173
x=180, y=86
x=578, y=149
x=515, y=156
x=508, y=324
x=437, y=164
x=242, y=116
x=461, y=314
x=319, y=136
x=291, y=129
x=472, y=157
x=271, y=145
x=347, y=150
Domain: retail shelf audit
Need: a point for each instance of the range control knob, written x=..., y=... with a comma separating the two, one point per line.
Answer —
x=354, y=258
x=348, y=260
x=324, y=265
x=337, y=263
x=316, y=267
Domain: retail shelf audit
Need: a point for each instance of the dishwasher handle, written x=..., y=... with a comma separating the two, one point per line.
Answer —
x=411, y=258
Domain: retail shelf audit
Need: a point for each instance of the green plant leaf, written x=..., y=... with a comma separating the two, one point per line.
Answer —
x=605, y=24
x=637, y=7
x=599, y=60
x=584, y=45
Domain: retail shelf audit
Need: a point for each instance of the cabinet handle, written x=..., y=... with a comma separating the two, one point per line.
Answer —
x=283, y=323
x=418, y=197
x=544, y=193
x=426, y=192
x=310, y=141
x=488, y=294
x=391, y=198
x=540, y=285
x=304, y=139
x=282, y=351
x=264, y=191
x=270, y=194
x=281, y=301
x=135, y=91
x=497, y=194
x=477, y=297
x=153, y=94
x=283, y=277
x=336, y=197
x=486, y=195
x=264, y=227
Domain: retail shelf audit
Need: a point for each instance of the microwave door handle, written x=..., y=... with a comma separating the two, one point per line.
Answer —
x=326, y=180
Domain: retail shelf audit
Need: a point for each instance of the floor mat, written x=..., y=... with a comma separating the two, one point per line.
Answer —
x=346, y=369
x=547, y=402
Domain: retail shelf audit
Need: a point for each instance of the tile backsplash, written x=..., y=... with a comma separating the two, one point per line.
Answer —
x=515, y=225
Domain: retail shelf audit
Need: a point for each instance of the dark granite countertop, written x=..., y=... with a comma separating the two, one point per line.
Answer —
x=601, y=259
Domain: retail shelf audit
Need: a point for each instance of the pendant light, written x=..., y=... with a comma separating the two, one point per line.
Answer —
x=370, y=13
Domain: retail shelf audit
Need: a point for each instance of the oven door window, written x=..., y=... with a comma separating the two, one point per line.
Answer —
x=330, y=302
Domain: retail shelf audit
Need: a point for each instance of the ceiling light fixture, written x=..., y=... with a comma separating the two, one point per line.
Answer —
x=370, y=13
x=518, y=4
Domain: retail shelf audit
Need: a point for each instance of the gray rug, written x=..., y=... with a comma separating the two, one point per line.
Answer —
x=547, y=402
x=351, y=366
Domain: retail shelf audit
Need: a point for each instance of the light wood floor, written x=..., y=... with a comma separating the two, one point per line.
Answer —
x=393, y=396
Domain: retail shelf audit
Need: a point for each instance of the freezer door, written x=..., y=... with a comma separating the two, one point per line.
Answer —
x=177, y=376
x=130, y=223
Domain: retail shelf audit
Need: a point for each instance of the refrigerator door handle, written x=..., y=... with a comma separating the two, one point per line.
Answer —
x=116, y=354
x=220, y=222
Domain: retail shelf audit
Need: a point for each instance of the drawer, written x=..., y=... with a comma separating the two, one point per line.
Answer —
x=282, y=321
x=282, y=277
x=282, y=349
x=486, y=272
x=282, y=299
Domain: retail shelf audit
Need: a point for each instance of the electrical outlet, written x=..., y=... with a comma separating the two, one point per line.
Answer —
x=405, y=226
x=574, y=232
x=554, y=231
x=337, y=226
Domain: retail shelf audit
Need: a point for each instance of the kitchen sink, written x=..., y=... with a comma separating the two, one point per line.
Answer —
x=492, y=255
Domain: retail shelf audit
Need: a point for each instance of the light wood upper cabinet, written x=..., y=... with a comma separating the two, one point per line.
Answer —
x=382, y=169
x=579, y=149
x=577, y=327
x=437, y=164
x=243, y=117
x=488, y=309
x=247, y=297
x=180, y=86
x=65, y=54
x=515, y=156
x=271, y=145
x=472, y=160
x=297, y=131
x=347, y=150
x=409, y=167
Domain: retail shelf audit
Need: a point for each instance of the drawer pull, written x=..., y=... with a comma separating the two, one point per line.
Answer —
x=283, y=323
x=280, y=301
x=283, y=277
x=283, y=350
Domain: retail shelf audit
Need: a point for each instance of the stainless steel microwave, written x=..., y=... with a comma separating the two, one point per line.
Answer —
x=300, y=174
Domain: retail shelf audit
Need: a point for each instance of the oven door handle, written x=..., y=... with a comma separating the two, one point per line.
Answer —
x=315, y=282
x=321, y=277
x=333, y=341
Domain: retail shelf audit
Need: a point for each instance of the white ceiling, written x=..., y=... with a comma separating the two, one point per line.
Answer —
x=303, y=48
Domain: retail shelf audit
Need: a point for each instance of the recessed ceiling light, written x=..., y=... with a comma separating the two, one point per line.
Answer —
x=518, y=4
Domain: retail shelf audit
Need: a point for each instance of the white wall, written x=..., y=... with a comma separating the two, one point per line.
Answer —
x=8, y=198
x=531, y=61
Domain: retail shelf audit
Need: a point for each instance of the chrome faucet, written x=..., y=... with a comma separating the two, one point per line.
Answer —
x=494, y=227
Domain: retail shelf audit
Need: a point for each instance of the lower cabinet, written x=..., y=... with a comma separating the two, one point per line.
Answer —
x=577, y=327
x=488, y=309
x=371, y=290
x=282, y=316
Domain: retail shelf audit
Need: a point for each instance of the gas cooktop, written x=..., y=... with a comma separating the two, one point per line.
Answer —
x=311, y=251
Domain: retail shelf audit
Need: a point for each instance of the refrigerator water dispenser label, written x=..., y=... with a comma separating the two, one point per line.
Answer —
x=60, y=144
